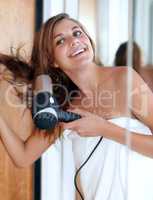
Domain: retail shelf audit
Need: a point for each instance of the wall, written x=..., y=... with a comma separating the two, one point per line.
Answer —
x=112, y=27
x=144, y=28
x=16, y=29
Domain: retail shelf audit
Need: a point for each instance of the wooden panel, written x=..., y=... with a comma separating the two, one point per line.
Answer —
x=16, y=28
x=16, y=23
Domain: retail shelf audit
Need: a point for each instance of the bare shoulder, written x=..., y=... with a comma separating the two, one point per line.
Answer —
x=128, y=77
x=120, y=71
x=131, y=83
x=141, y=99
x=116, y=71
x=125, y=73
x=117, y=75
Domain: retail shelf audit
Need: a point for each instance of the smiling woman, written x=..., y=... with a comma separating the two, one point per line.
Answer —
x=65, y=52
x=73, y=46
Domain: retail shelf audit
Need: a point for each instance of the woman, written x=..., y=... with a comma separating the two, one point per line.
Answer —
x=145, y=71
x=121, y=56
x=65, y=51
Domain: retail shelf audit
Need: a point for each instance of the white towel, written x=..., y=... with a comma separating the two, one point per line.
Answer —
x=112, y=173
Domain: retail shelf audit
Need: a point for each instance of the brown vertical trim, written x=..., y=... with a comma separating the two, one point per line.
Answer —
x=37, y=166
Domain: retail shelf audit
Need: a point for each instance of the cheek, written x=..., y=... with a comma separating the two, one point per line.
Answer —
x=60, y=56
x=59, y=53
x=87, y=41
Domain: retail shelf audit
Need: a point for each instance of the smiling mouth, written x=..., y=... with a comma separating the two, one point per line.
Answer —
x=78, y=52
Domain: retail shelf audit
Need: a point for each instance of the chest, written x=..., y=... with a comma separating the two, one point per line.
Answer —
x=105, y=102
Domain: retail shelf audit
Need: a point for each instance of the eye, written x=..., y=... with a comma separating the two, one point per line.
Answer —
x=60, y=41
x=77, y=33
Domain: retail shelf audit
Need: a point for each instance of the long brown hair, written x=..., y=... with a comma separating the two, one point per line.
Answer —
x=42, y=58
x=20, y=69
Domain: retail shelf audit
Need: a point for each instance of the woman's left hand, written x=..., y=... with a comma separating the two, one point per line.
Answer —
x=88, y=125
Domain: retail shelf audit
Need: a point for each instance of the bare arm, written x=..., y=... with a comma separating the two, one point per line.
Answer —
x=14, y=110
x=24, y=153
x=142, y=107
x=22, y=142
x=140, y=143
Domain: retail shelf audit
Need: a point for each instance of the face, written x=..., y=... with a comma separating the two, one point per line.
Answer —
x=71, y=46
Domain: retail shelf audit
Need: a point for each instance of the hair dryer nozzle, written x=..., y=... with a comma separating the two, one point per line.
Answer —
x=67, y=116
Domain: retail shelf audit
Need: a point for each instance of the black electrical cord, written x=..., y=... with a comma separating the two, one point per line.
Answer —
x=83, y=164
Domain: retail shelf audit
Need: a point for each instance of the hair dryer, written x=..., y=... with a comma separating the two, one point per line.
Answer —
x=46, y=112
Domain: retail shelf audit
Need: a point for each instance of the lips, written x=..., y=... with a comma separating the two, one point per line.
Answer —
x=77, y=51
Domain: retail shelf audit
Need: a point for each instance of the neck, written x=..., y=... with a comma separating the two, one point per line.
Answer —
x=86, y=79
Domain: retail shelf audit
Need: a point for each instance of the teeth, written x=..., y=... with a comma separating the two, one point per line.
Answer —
x=77, y=52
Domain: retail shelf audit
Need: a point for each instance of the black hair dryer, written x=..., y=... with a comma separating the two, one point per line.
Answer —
x=45, y=110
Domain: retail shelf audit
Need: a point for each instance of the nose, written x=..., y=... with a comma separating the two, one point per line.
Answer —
x=74, y=41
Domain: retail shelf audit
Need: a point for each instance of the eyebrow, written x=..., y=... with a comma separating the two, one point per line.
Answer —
x=60, y=34
x=74, y=27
